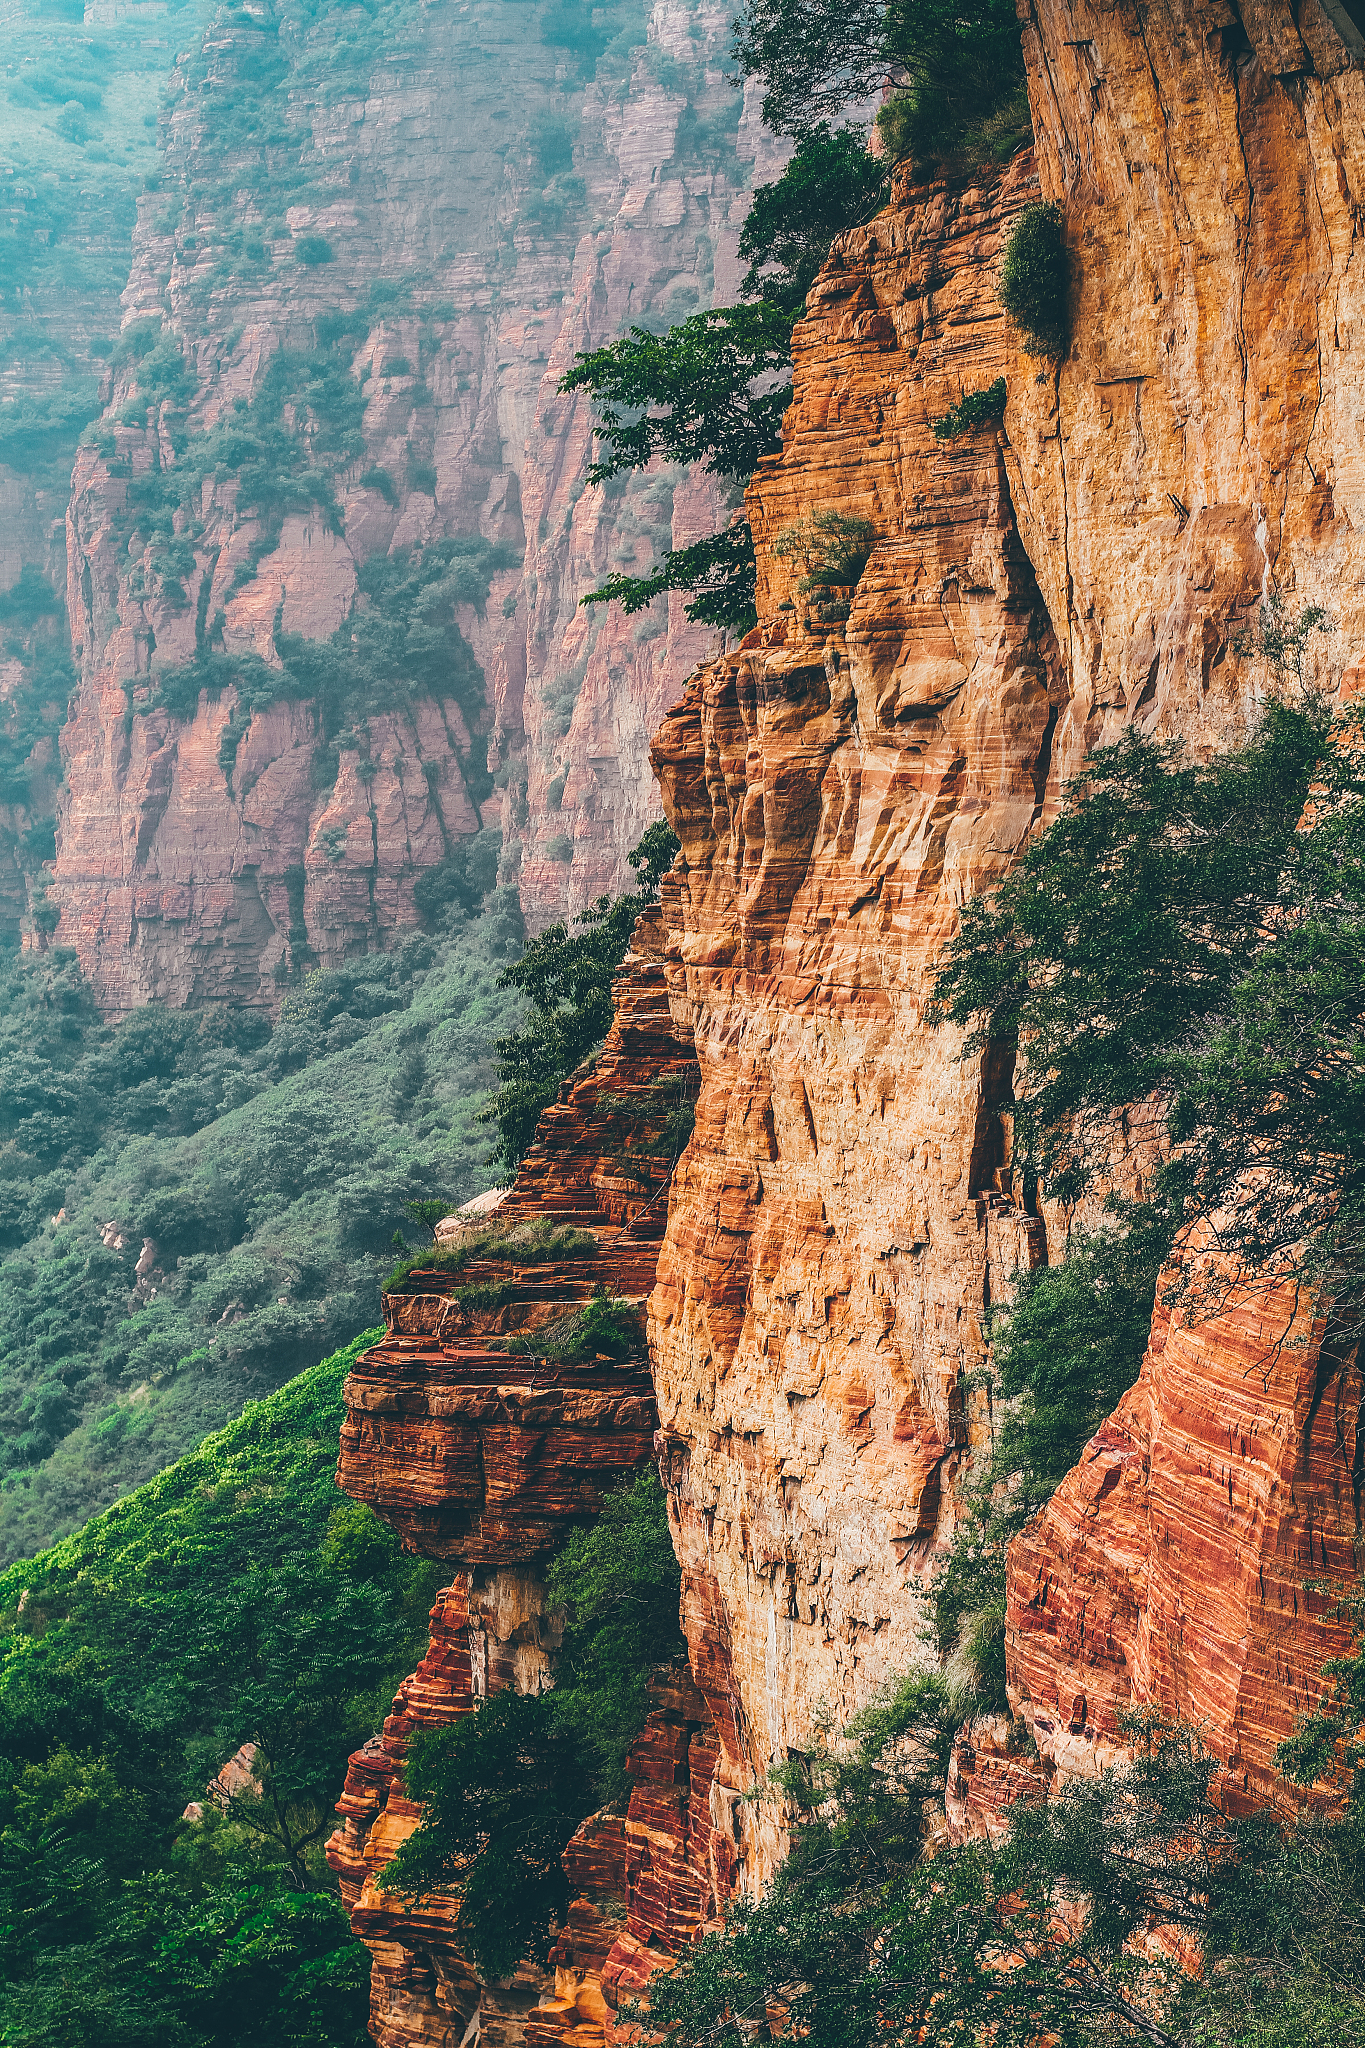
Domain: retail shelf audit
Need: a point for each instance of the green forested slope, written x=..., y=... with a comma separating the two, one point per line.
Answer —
x=270, y=1167
x=236, y=1597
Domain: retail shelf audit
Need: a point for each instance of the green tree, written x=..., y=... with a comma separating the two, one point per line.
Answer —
x=568, y=977
x=1176, y=952
x=503, y=1789
x=831, y=183
x=961, y=64
x=865, y=1939
x=687, y=395
x=620, y=1584
x=705, y=391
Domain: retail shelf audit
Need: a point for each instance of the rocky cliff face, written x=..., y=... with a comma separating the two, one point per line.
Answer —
x=327, y=542
x=841, y=1220
x=79, y=134
x=476, y=1446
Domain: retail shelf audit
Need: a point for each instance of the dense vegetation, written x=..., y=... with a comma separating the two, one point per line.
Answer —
x=1177, y=953
x=1034, y=277
x=503, y=1790
x=271, y=1167
x=236, y=1598
x=866, y=1941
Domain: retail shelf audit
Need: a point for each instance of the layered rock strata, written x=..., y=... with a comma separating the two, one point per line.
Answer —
x=843, y=1219
x=1181, y=1563
x=469, y=1436
x=364, y=308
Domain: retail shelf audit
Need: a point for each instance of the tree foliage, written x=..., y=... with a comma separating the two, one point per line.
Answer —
x=567, y=976
x=1175, y=951
x=231, y=1600
x=688, y=395
x=974, y=409
x=1033, y=279
x=720, y=572
x=831, y=183
x=866, y=1938
x=960, y=64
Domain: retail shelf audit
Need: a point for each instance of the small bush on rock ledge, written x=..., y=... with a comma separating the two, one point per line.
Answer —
x=976, y=409
x=1033, y=280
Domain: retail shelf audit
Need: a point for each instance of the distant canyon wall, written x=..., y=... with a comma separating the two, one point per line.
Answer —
x=371, y=256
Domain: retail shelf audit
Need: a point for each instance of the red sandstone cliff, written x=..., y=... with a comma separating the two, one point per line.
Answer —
x=840, y=1221
x=480, y=1450
x=191, y=868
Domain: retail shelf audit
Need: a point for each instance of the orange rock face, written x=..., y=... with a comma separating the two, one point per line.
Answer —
x=843, y=1220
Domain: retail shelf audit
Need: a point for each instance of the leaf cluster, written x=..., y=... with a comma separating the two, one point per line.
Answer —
x=687, y=395
x=831, y=183
x=1177, y=953
x=956, y=65
x=975, y=409
x=832, y=548
x=1033, y=279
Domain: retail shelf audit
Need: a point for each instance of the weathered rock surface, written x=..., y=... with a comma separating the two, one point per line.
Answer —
x=1172, y=1567
x=478, y=1447
x=843, y=1217
x=209, y=854
x=841, y=1220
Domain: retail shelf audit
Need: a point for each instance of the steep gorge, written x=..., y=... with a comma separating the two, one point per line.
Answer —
x=843, y=1219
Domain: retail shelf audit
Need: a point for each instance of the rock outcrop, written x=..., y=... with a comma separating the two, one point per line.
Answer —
x=1180, y=1564
x=342, y=340
x=469, y=1435
x=844, y=1216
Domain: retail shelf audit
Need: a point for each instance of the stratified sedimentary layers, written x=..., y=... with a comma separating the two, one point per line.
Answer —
x=842, y=1221
x=1180, y=1564
x=480, y=1448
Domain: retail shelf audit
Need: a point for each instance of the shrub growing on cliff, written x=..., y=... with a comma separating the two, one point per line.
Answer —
x=831, y=547
x=975, y=409
x=1177, y=952
x=1033, y=279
